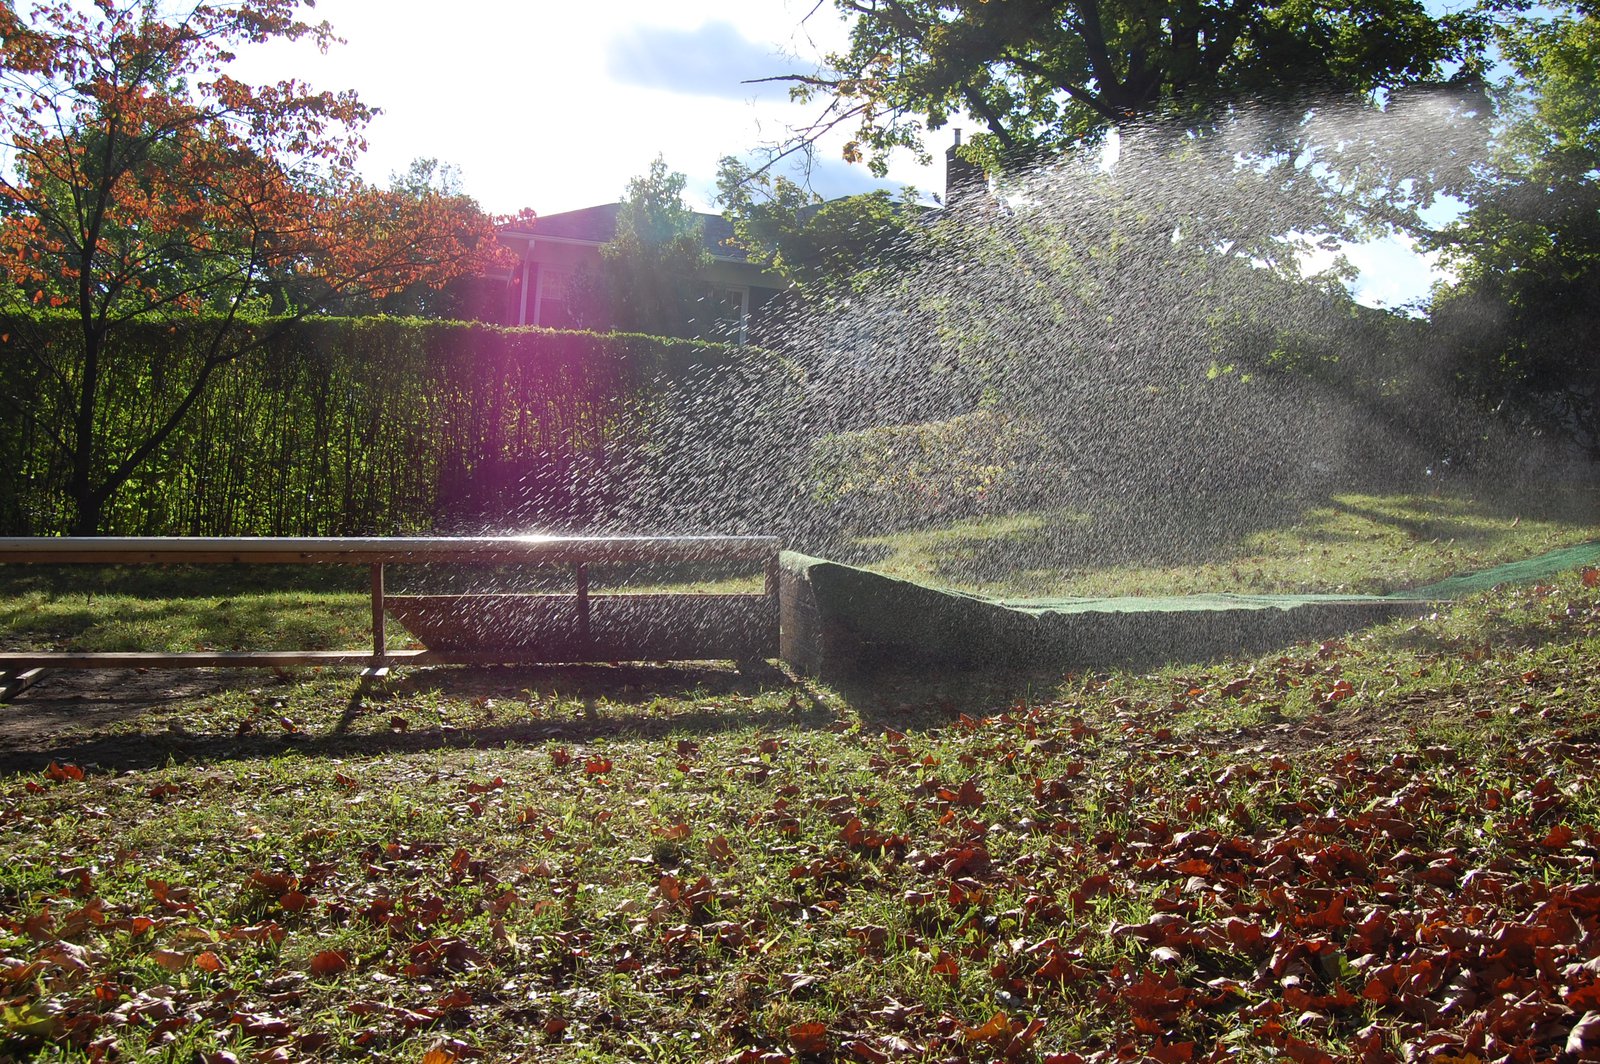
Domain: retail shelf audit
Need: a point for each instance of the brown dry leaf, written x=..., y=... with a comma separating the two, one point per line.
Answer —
x=209, y=962
x=809, y=1037
x=329, y=962
x=997, y=1029
x=1585, y=1034
x=296, y=902
x=171, y=960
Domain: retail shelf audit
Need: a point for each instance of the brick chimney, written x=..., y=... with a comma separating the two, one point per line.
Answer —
x=961, y=178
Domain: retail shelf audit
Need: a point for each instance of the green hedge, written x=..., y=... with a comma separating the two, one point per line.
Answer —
x=349, y=426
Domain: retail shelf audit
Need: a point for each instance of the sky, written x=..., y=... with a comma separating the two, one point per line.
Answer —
x=555, y=106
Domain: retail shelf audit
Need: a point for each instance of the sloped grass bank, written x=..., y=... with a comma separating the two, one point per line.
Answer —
x=1382, y=848
x=1349, y=544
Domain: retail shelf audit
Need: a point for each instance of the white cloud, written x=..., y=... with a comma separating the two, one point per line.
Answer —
x=523, y=98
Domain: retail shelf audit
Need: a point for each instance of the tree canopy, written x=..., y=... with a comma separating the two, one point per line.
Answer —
x=1045, y=74
x=648, y=280
x=1522, y=314
x=820, y=247
x=147, y=181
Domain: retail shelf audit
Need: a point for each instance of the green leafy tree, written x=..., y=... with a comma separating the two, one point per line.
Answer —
x=1043, y=75
x=649, y=279
x=1523, y=317
x=820, y=247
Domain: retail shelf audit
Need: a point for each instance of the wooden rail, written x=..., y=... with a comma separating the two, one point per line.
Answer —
x=466, y=629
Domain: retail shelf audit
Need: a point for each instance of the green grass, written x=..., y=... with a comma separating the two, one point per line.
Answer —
x=1316, y=851
x=1355, y=544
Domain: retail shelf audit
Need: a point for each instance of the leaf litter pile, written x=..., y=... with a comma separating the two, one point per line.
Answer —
x=1383, y=848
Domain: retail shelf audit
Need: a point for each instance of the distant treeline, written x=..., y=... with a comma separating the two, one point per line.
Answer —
x=349, y=426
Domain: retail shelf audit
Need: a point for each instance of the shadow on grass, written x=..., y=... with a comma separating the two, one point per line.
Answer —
x=657, y=700
x=620, y=701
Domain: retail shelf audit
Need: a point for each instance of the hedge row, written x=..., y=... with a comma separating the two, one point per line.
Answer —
x=348, y=426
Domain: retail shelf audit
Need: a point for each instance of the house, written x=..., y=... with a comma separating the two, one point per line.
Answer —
x=556, y=248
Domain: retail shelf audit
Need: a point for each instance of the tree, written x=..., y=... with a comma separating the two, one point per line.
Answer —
x=1522, y=315
x=820, y=247
x=1044, y=75
x=149, y=184
x=649, y=279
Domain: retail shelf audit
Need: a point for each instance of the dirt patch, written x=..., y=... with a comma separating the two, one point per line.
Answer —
x=66, y=701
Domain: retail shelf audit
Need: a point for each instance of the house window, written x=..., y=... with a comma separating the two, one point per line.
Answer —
x=550, y=304
x=729, y=313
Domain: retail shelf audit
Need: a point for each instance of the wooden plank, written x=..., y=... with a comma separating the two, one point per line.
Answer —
x=477, y=550
x=541, y=627
x=13, y=684
x=378, y=639
x=198, y=659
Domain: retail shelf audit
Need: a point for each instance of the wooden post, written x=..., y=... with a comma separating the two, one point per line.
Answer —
x=580, y=573
x=379, y=644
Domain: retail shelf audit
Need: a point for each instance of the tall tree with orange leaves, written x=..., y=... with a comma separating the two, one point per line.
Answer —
x=140, y=181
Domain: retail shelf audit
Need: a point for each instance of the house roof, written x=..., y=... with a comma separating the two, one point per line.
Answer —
x=598, y=225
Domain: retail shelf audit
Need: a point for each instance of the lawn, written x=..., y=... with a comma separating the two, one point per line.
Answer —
x=1383, y=847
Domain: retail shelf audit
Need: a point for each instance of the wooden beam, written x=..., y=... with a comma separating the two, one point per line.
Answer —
x=198, y=659
x=359, y=550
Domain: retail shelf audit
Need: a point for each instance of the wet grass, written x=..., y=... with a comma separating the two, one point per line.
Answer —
x=1351, y=543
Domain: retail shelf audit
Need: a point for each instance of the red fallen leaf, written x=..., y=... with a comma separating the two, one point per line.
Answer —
x=720, y=850
x=1585, y=1034
x=164, y=790
x=996, y=1030
x=597, y=766
x=272, y=882
x=1171, y=1052
x=484, y=788
x=349, y=783
x=864, y=1050
x=329, y=962
x=809, y=1037
x=560, y=757
x=947, y=966
x=1586, y=998
x=439, y=1055
x=208, y=962
x=398, y=723
x=296, y=902
x=270, y=931
x=455, y=999
x=555, y=1026
x=1558, y=837
x=672, y=833
x=1590, y=575
x=261, y=1025
x=670, y=888
x=63, y=773
x=171, y=960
